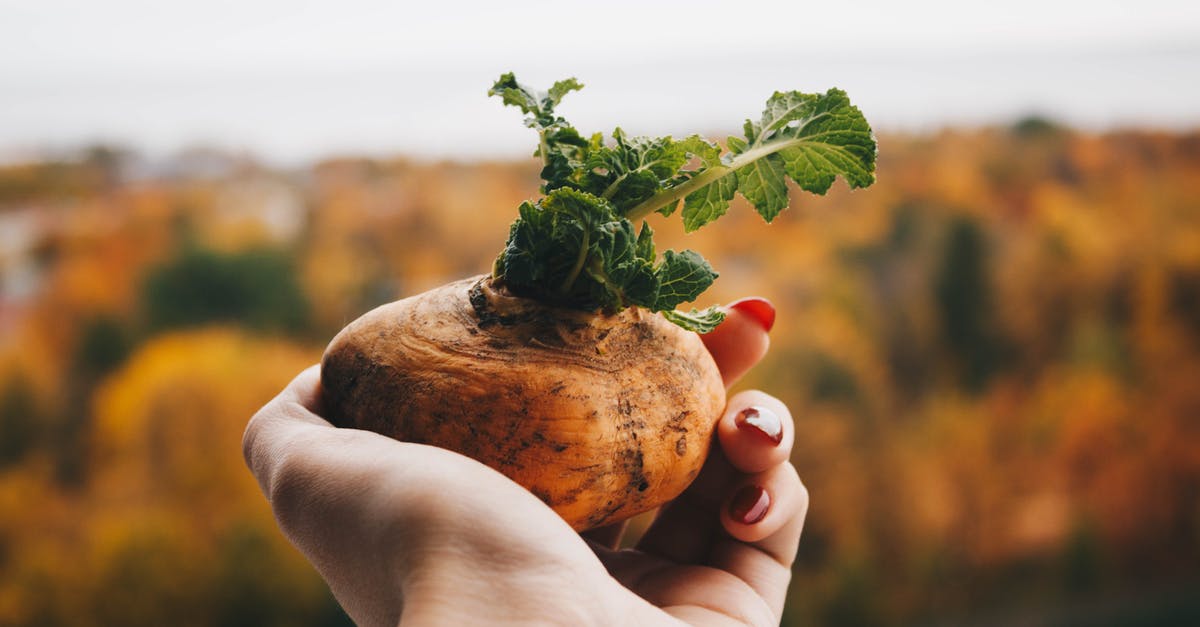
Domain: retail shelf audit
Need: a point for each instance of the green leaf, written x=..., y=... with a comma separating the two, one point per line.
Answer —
x=785, y=107
x=709, y=203
x=562, y=88
x=667, y=209
x=696, y=146
x=589, y=210
x=762, y=183
x=550, y=243
x=810, y=138
x=700, y=321
x=577, y=245
x=625, y=278
x=539, y=106
x=645, y=243
x=633, y=169
x=560, y=146
x=830, y=138
x=752, y=131
x=682, y=276
x=515, y=94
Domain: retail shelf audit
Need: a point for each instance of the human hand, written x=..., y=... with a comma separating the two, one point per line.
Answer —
x=403, y=531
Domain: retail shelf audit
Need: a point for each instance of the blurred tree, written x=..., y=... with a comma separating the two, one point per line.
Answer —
x=188, y=538
x=150, y=576
x=19, y=418
x=103, y=345
x=109, y=162
x=856, y=599
x=965, y=303
x=951, y=482
x=1184, y=298
x=256, y=288
x=253, y=586
x=1035, y=126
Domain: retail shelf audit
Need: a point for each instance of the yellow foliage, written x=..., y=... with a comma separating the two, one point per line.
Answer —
x=1023, y=398
x=168, y=424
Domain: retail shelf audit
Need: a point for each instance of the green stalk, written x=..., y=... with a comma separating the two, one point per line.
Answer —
x=708, y=176
x=578, y=267
x=543, y=148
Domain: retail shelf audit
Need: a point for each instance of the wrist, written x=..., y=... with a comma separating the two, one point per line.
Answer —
x=469, y=593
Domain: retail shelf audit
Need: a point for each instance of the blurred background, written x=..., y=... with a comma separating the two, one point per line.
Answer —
x=993, y=355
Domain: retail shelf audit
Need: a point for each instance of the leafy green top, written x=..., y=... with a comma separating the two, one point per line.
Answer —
x=577, y=245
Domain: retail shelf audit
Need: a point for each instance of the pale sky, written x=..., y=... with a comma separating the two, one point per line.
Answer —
x=294, y=80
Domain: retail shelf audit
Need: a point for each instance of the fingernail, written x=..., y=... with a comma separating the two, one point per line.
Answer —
x=749, y=505
x=762, y=421
x=760, y=309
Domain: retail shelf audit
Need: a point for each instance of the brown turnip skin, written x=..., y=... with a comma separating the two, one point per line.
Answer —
x=600, y=416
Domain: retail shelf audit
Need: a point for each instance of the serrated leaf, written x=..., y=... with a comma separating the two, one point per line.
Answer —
x=549, y=244
x=539, y=106
x=562, y=88
x=701, y=321
x=556, y=172
x=752, y=131
x=708, y=152
x=623, y=277
x=815, y=167
x=589, y=210
x=538, y=248
x=566, y=135
x=576, y=246
x=785, y=107
x=645, y=243
x=515, y=94
x=708, y=203
x=762, y=183
x=633, y=169
x=831, y=138
x=682, y=276
x=633, y=187
x=667, y=209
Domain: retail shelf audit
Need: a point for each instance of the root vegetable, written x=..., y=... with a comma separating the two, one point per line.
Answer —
x=569, y=368
x=600, y=416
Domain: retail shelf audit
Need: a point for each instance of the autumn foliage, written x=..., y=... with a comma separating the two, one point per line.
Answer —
x=993, y=356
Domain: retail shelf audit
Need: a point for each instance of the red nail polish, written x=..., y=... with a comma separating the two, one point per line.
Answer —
x=760, y=309
x=762, y=421
x=749, y=505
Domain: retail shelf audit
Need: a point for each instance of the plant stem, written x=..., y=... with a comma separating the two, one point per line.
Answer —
x=706, y=177
x=578, y=267
x=543, y=148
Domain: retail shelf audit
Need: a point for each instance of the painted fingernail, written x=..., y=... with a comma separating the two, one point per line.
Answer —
x=760, y=309
x=762, y=421
x=749, y=505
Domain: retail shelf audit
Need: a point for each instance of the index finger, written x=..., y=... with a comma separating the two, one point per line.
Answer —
x=290, y=413
x=741, y=340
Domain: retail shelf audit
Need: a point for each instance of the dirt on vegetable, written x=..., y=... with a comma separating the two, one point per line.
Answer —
x=600, y=416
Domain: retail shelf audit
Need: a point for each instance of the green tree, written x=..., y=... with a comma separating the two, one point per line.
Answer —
x=255, y=288
x=18, y=419
x=963, y=294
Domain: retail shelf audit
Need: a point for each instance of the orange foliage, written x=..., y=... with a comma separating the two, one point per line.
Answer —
x=992, y=358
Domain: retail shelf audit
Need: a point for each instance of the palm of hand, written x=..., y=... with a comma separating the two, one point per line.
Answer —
x=409, y=532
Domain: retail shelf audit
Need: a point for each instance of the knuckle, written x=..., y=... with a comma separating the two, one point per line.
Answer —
x=281, y=460
x=291, y=485
x=802, y=497
x=251, y=437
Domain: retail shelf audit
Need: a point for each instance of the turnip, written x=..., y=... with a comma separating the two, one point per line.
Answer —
x=568, y=367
